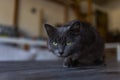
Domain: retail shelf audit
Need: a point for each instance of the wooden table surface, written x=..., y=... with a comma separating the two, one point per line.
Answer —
x=53, y=70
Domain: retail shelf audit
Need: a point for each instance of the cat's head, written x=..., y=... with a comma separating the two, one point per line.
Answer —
x=63, y=40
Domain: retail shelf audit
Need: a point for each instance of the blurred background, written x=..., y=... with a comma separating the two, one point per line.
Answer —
x=22, y=34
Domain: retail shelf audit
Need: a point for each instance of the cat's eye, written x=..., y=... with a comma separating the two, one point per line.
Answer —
x=69, y=43
x=54, y=43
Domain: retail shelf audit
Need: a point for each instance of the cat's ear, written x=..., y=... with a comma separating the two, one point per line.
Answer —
x=75, y=26
x=50, y=30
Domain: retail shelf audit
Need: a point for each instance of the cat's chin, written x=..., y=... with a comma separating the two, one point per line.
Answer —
x=62, y=56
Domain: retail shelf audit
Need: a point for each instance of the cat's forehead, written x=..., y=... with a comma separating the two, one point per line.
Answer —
x=63, y=29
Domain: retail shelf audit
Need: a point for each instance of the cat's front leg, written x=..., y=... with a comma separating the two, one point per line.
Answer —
x=67, y=62
x=70, y=61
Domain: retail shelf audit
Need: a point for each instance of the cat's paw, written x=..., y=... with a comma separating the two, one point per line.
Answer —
x=67, y=62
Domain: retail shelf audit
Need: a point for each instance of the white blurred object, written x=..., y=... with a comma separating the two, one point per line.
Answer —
x=116, y=46
x=8, y=53
x=22, y=41
x=44, y=54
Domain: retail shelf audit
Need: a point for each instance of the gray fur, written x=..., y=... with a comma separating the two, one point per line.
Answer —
x=86, y=45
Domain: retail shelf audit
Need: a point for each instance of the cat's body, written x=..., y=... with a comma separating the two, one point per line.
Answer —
x=78, y=42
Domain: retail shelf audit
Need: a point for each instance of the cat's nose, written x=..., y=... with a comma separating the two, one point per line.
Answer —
x=61, y=53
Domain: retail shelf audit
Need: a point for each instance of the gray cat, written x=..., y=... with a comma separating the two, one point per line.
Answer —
x=78, y=42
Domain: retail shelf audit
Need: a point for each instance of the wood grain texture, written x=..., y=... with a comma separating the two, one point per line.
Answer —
x=53, y=70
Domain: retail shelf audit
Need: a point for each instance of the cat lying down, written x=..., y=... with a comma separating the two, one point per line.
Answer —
x=77, y=42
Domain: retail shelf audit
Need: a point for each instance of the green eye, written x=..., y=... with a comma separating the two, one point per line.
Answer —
x=69, y=43
x=54, y=43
